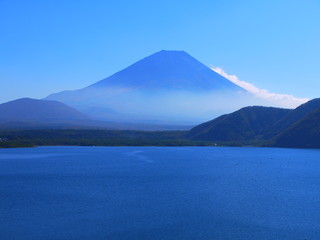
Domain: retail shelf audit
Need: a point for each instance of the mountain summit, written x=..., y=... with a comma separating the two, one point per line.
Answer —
x=167, y=86
x=168, y=70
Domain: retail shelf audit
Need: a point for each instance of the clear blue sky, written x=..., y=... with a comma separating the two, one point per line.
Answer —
x=54, y=45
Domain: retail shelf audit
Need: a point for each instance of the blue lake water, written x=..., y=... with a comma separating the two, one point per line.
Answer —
x=147, y=193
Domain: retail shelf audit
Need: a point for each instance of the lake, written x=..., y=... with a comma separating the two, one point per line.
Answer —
x=147, y=193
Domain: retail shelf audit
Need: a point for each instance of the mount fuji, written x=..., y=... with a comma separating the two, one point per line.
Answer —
x=166, y=87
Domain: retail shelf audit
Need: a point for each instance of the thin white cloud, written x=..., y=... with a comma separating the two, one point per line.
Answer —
x=281, y=100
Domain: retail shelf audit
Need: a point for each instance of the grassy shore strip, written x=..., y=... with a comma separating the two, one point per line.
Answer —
x=32, y=138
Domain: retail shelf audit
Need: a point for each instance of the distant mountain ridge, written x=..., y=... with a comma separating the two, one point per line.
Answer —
x=28, y=109
x=28, y=113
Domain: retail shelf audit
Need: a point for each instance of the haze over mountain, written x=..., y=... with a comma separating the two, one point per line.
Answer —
x=27, y=113
x=166, y=87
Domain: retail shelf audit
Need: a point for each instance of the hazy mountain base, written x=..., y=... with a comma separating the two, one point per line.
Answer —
x=156, y=106
x=27, y=113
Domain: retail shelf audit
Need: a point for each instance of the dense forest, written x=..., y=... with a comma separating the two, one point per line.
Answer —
x=31, y=138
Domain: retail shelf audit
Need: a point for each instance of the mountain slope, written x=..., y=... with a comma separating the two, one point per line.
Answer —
x=27, y=110
x=166, y=87
x=303, y=134
x=293, y=117
x=168, y=70
x=245, y=124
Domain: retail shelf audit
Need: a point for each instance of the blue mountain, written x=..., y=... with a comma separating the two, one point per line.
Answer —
x=168, y=70
x=168, y=86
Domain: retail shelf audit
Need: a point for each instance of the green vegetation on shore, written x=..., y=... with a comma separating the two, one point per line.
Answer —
x=31, y=138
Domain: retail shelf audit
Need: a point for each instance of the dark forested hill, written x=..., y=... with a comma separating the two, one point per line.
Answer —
x=274, y=126
x=293, y=117
x=245, y=124
x=303, y=134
